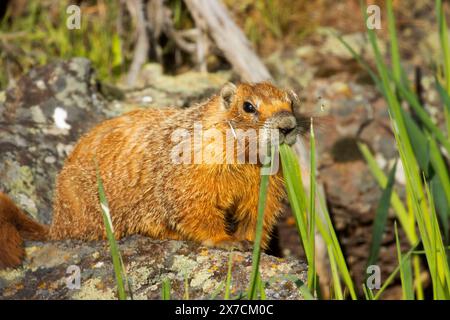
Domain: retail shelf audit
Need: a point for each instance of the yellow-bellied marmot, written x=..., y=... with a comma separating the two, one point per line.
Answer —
x=150, y=194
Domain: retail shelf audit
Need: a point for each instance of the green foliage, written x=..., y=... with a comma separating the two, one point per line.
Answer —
x=41, y=35
x=379, y=224
x=321, y=220
x=405, y=271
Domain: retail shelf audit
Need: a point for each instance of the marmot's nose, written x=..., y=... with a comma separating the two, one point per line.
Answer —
x=287, y=124
x=286, y=130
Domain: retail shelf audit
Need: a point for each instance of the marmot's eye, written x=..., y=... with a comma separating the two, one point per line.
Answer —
x=248, y=107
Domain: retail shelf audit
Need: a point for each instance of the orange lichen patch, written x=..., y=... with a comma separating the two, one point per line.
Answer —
x=213, y=268
x=53, y=286
x=19, y=286
x=100, y=285
x=42, y=285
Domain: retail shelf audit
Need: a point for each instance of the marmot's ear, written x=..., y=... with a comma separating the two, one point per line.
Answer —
x=303, y=121
x=227, y=94
x=295, y=101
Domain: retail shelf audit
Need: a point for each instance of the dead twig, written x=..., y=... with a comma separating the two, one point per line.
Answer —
x=212, y=18
x=140, y=55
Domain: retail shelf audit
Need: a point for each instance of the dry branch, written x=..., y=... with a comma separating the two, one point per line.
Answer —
x=136, y=8
x=213, y=18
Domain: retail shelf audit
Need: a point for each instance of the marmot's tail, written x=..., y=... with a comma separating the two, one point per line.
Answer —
x=16, y=226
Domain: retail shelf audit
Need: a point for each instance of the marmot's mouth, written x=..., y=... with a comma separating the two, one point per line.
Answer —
x=289, y=138
x=286, y=131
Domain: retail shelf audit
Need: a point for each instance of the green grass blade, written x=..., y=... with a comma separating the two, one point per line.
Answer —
x=418, y=278
x=165, y=289
x=302, y=287
x=368, y=294
x=412, y=100
x=442, y=207
x=296, y=195
x=228, y=280
x=443, y=37
x=446, y=102
x=360, y=60
x=425, y=218
x=395, y=110
x=312, y=211
x=338, y=293
x=405, y=271
x=252, y=291
x=217, y=291
x=329, y=235
x=305, y=292
x=186, y=287
x=115, y=254
x=419, y=143
x=395, y=56
x=440, y=167
x=392, y=276
x=397, y=204
x=261, y=287
x=439, y=254
x=381, y=216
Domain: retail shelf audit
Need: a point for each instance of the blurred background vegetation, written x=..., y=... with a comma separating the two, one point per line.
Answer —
x=34, y=32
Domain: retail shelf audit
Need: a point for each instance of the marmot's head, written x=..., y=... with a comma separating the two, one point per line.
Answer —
x=263, y=106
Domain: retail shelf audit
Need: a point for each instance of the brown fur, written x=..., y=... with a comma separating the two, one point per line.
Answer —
x=16, y=226
x=150, y=195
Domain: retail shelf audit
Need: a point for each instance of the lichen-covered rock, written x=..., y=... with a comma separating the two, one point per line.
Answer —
x=45, y=274
x=41, y=118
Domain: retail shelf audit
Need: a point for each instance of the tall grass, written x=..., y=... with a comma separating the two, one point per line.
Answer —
x=308, y=219
x=423, y=150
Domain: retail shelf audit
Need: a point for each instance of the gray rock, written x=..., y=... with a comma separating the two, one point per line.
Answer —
x=148, y=262
x=40, y=119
